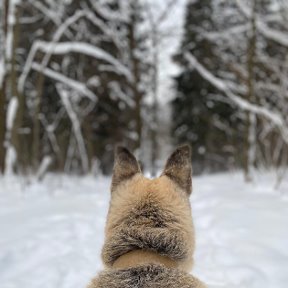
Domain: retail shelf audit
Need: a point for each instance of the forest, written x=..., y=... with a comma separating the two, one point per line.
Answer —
x=79, y=77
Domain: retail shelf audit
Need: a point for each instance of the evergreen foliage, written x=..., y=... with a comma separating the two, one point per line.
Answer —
x=199, y=117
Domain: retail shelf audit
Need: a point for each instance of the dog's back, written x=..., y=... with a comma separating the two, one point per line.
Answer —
x=149, y=231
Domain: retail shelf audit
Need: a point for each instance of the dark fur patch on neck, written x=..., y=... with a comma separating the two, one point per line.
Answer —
x=147, y=276
x=166, y=242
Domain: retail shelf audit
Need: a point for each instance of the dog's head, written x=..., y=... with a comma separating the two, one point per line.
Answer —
x=151, y=209
x=178, y=170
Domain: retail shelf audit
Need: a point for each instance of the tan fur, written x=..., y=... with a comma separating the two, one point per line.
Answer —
x=149, y=235
x=141, y=257
x=166, y=194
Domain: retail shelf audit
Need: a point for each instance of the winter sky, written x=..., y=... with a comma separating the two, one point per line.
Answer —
x=173, y=27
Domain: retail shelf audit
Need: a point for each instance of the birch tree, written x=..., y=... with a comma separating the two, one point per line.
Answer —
x=8, y=80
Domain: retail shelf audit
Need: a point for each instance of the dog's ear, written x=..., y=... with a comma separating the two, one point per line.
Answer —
x=179, y=168
x=125, y=166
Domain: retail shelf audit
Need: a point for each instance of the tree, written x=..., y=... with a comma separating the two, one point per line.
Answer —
x=249, y=74
x=78, y=83
x=3, y=37
x=200, y=115
x=160, y=31
x=8, y=83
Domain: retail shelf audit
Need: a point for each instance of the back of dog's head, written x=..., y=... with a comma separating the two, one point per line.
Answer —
x=150, y=214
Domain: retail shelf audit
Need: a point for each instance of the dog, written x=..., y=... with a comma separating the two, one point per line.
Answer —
x=149, y=235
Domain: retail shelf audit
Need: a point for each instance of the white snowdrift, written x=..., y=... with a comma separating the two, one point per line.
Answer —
x=52, y=233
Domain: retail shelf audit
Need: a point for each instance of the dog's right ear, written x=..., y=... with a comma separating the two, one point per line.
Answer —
x=125, y=166
x=179, y=168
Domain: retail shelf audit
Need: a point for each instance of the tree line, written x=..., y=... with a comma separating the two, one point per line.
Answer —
x=74, y=81
x=78, y=77
x=231, y=95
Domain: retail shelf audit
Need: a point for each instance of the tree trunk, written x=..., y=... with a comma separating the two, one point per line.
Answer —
x=3, y=88
x=136, y=73
x=36, y=123
x=2, y=127
x=13, y=79
x=155, y=106
x=249, y=154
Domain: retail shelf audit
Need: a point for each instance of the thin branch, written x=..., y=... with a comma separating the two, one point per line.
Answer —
x=63, y=48
x=76, y=85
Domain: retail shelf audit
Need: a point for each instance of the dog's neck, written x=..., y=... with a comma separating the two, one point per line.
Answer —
x=142, y=257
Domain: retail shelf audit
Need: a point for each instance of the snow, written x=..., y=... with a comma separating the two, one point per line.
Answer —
x=52, y=232
x=10, y=160
x=45, y=163
x=118, y=93
x=274, y=117
x=45, y=11
x=11, y=112
x=64, y=95
x=74, y=84
x=10, y=33
x=277, y=36
x=62, y=48
x=11, y=155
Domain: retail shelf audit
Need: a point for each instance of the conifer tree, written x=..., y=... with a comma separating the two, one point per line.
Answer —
x=198, y=116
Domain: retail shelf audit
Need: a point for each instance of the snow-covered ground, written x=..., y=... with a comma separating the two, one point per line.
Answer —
x=51, y=233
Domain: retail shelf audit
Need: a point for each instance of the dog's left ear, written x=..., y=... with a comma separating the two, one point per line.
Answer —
x=179, y=168
x=125, y=166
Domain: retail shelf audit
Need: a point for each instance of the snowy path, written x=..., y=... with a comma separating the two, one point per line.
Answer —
x=51, y=234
